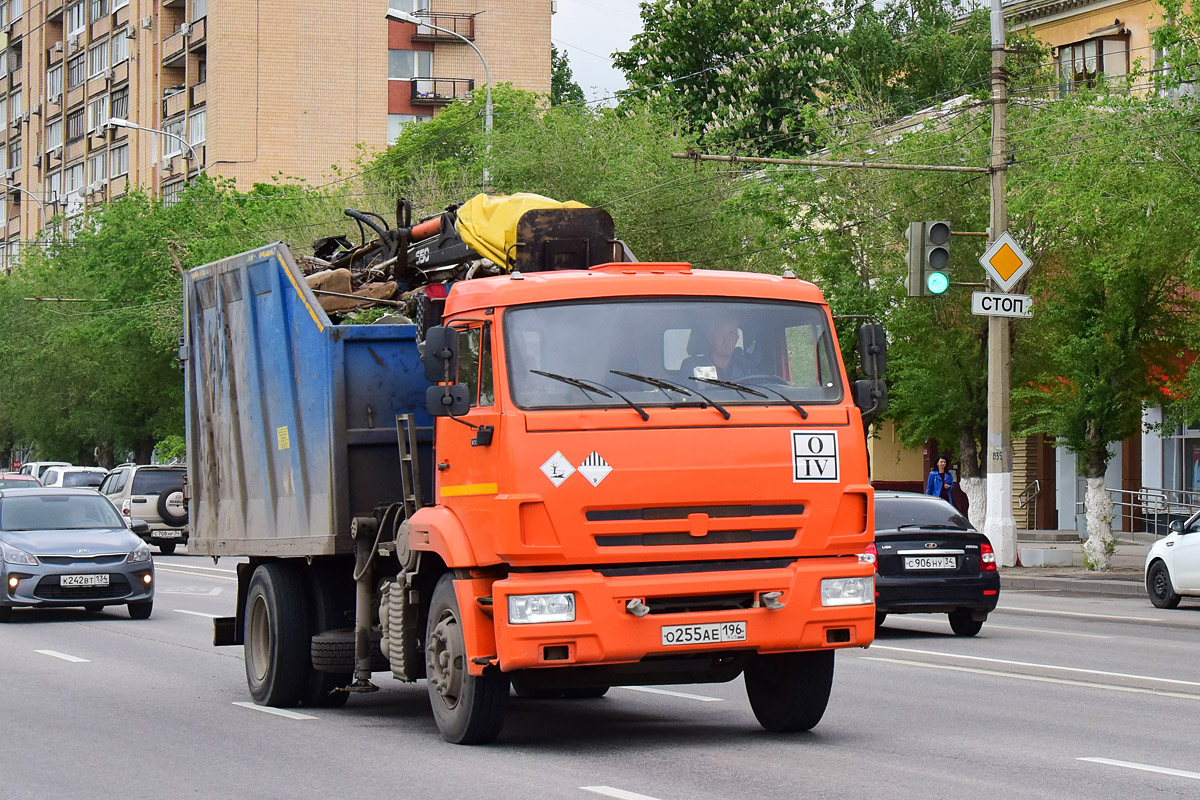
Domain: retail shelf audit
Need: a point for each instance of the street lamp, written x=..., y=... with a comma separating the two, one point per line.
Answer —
x=124, y=123
x=405, y=16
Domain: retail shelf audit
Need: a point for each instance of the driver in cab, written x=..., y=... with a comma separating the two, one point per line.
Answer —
x=720, y=357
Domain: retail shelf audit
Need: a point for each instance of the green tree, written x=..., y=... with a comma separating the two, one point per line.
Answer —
x=563, y=88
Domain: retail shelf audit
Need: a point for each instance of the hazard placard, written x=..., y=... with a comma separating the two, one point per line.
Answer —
x=1005, y=262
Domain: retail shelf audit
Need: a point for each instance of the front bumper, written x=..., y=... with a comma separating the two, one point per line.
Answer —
x=40, y=586
x=604, y=632
x=930, y=594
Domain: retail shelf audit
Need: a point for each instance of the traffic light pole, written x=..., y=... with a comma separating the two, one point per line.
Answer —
x=999, y=525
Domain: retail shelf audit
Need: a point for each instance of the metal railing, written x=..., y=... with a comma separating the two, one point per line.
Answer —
x=462, y=24
x=1149, y=509
x=1027, y=500
x=438, y=91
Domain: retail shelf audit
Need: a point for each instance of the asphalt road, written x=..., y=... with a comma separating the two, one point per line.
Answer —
x=1059, y=697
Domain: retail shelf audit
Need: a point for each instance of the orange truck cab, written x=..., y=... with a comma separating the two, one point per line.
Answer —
x=648, y=473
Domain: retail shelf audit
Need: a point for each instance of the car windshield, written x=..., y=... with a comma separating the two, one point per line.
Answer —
x=83, y=478
x=732, y=351
x=156, y=481
x=57, y=512
x=893, y=513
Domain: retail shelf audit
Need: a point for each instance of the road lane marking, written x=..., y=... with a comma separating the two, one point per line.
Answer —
x=1078, y=614
x=1179, y=773
x=197, y=613
x=180, y=565
x=992, y=626
x=63, y=656
x=215, y=591
x=194, y=574
x=620, y=794
x=1035, y=678
x=1038, y=666
x=651, y=690
x=279, y=712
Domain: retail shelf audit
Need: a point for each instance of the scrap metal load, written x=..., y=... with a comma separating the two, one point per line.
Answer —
x=410, y=266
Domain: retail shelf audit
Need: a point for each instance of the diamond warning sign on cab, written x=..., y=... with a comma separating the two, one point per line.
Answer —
x=594, y=468
x=814, y=457
x=557, y=468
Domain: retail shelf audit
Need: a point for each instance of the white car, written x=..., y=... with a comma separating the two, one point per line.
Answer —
x=36, y=468
x=89, y=477
x=1173, y=564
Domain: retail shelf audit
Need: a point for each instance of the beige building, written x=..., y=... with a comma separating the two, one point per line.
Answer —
x=295, y=89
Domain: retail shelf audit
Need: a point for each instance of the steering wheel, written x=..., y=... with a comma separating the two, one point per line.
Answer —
x=763, y=378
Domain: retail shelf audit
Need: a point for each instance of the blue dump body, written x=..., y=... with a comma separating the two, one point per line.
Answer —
x=291, y=420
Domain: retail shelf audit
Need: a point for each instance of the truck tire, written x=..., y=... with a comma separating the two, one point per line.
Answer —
x=789, y=691
x=165, y=501
x=277, y=637
x=166, y=548
x=468, y=709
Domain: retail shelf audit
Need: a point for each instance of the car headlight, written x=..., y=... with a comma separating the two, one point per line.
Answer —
x=524, y=609
x=847, y=591
x=140, y=553
x=14, y=556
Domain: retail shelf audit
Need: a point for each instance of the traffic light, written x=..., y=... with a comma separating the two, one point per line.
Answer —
x=928, y=258
x=936, y=261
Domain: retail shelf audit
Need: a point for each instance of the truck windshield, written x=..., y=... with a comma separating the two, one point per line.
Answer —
x=752, y=352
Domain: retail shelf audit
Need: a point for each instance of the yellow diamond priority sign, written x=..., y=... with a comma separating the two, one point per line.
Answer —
x=1005, y=262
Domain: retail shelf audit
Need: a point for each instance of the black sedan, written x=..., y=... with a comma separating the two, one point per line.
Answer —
x=930, y=560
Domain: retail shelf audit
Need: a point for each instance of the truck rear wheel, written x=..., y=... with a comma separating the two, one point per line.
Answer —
x=789, y=691
x=468, y=709
x=277, y=638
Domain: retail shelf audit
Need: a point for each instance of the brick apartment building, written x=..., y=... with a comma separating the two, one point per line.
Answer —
x=294, y=89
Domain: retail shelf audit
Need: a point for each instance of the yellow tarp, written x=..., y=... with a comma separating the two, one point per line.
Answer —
x=489, y=224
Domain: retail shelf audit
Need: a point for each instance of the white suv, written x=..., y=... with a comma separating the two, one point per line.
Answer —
x=153, y=494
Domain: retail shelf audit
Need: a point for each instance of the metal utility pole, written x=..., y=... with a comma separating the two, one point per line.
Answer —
x=999, y=525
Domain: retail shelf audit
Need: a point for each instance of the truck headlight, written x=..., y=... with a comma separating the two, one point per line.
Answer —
x=524, y=609
x=847, y=591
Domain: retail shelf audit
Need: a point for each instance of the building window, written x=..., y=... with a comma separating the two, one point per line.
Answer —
x=398, y=122
x=75, y=125
x=172, y=144
x=99, y=9
x=15, y=59
x=120, y=46
x=54, y=133
x=53, y=187
x=73, y=179
x=75, y=22
x=15, y=107
x=54, y=85
x=14, y=154
x=120, y=103
x=97, y=59
x=404, y=65
x=202, y=70
x=118, y=161
x=196, y=127
x=411, y=6
x=119, y=4
x=97, y=113
x=199, y=9
x=170, y=193
x=11, y=11
x=1081, y=64
x=97, y=167
x=75, y=71
x=3, y=110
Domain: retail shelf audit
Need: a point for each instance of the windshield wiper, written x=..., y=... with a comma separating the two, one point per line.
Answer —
x=674, y=387
x=745, y=388
x=934, y=527
x=784, y=397
x=594, y=388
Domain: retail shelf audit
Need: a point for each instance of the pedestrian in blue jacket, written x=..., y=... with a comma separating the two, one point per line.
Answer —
x=941, y=481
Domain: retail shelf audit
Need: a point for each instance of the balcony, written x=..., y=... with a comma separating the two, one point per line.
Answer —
x=174, y=49
x=174, y=101
x=198, y=34
x=440, y=91
x=199, y=94
x=462, y=24
x=54, y=9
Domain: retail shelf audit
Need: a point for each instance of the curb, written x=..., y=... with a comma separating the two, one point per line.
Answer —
x=1111, y=587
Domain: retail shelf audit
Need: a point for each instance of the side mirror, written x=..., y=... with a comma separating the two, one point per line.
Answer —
x=872, y=349
x=447, y=401
x=441, y=354
x=871, y=397
x=139, y=526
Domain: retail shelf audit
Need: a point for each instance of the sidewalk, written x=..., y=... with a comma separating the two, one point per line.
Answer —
x=1055, y=563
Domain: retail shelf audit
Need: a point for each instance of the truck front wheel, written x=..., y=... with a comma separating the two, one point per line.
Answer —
x=468, y=709
x=789, y=691
x=277, y=646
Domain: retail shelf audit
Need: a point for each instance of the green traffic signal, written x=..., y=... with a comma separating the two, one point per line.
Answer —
x=936, y=282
